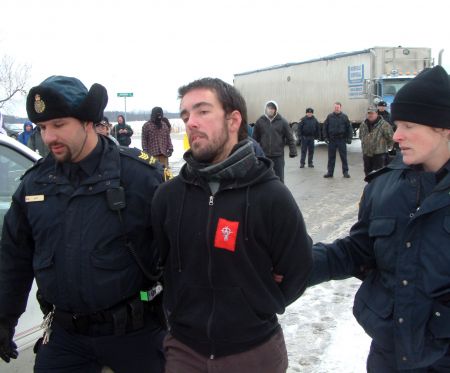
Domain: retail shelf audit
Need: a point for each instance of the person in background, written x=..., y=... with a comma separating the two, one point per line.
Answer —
x=308, y=130
x=27, y=131
x=382, y=112
x=337, y=132
x=376, y=139
x=104, y=128
x=80, y=224
x=400, y=245
x=272, y=131
x=122, y=131
x=36, y=143
x=156, y=139
x=233, y=243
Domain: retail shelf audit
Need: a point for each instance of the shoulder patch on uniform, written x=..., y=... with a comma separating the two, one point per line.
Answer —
x=377, y=173
x=36, y=164
x=138, y=155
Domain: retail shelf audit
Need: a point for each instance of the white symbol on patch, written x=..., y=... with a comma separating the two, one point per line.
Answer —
x=226, y=232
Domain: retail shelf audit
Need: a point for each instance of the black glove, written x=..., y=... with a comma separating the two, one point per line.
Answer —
x=292, y=155
x=8, y=349
x=349, y=141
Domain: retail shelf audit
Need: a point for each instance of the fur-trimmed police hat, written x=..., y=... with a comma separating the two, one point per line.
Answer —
x=62, y=96
x=310, y=110
x=425, y=99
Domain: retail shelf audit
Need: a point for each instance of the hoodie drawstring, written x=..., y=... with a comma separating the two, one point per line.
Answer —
x=183, y=198
x=247, y=206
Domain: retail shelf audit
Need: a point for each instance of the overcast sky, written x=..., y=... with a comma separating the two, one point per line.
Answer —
x=152, y=47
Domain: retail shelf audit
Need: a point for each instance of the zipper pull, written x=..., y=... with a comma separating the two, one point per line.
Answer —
x=211, y=200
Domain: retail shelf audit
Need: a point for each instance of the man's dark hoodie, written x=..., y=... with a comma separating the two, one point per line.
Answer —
x=221, y=251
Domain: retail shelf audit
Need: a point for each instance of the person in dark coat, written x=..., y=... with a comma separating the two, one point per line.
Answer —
x=337, y=132
x=27, y=131
x=272, y=131
x=36, y=143
x=233, y=243
x=122, y=131
x=308, y=130
x=382, y=112
x=79, y=223
x=400, y=245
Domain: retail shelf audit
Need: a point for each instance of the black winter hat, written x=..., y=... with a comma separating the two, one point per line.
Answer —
x=310, y=110
x=425, y=99
x=62, y=96
x=382, y=103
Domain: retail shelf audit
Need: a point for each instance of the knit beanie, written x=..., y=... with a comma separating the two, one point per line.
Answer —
x=62, y=96
x=425, y=99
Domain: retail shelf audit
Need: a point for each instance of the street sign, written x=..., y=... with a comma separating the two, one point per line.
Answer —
x=125, y=94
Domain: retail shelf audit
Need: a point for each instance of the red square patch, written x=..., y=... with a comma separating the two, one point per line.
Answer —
x=226, y=234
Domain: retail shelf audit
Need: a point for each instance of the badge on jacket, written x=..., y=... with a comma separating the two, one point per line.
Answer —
x=35, y=198
x=226, y=234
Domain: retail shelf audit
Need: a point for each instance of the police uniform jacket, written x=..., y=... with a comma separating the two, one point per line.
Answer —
x=70, y=239
x=401, y=247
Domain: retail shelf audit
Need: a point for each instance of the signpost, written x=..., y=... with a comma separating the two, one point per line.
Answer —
x=125, y=95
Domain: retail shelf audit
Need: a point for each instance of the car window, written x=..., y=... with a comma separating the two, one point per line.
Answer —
x=12, y=166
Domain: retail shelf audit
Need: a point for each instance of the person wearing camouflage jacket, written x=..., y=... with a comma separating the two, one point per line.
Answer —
x=376, y=139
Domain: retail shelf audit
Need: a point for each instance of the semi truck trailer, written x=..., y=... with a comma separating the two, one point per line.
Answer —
x=355, y=79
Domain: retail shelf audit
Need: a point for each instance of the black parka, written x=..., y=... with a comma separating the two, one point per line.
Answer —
x=220, y=293
x=401, y=247
x=70, y=239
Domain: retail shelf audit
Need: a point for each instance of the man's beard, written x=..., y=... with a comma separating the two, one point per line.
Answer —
x=213, y=149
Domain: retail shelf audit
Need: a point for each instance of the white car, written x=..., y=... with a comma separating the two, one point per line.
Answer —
x=15, y=159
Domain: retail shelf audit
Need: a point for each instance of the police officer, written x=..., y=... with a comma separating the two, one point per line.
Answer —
x=382, y=112
x=79, y=223
x=400, y=245
x=308, y=130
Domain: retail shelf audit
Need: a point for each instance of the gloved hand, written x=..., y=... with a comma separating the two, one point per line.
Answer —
x=349, y=141
x=292, y=155
x=8, y=349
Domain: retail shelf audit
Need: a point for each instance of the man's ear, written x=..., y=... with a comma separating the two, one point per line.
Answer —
x=234, y=121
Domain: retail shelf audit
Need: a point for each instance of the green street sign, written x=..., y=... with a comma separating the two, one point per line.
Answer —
x=125, y=94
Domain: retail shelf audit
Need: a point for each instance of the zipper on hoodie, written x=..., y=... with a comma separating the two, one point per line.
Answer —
x=208, y=226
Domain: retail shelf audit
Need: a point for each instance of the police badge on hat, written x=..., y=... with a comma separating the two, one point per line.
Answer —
x=39, y=104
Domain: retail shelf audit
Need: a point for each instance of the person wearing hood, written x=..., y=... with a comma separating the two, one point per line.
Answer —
x=122, y=131
x=156, y=139
x=272, y=132
x=27, y=131
x=400, y=245
x=233, y=243
x=36, y=143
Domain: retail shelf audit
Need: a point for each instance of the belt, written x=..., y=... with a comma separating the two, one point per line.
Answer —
x=120, y=319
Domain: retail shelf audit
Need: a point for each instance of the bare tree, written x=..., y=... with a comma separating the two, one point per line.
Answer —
x=13, y=78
